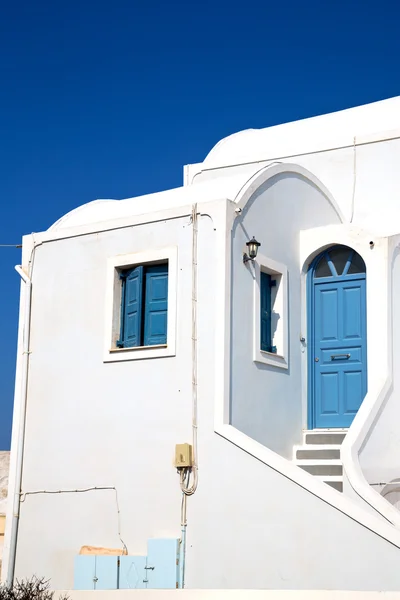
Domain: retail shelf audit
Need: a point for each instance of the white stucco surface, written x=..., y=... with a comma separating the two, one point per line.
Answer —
x=256, y=521
x=116, y=424
x=272, y=414
x=336, y=129
x=230, y=595
x=380, y=455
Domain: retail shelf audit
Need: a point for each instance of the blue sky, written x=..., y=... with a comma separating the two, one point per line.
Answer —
x=111, y=99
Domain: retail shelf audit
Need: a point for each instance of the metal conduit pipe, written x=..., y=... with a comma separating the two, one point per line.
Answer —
x=21, y=434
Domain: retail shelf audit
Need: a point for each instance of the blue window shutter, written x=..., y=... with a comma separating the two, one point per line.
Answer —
x=156, y=305
x=265, y=305
x=131, y=308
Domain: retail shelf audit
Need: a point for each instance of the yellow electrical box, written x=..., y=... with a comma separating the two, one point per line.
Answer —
x=183, y=456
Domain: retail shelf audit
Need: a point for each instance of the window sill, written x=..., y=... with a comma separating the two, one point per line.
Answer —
x=270, y=358
x=138, y=353
x=129, y=348
x=271, y=354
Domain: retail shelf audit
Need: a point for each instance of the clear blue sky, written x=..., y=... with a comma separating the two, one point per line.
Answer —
x=111, y=99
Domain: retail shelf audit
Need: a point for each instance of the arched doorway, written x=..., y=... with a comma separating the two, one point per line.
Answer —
x=337, y=349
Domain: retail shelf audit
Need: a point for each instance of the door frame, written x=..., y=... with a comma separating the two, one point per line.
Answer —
x=310, y=301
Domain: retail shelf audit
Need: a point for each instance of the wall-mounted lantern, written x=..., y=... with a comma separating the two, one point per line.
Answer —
x=252, y=246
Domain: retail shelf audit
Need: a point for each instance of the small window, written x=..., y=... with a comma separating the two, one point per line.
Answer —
x=266, y=334
x=270, y=344
x=141, y=304
x=144, y=306
x=339, y=261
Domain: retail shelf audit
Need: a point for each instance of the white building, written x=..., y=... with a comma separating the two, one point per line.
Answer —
x=142, y=327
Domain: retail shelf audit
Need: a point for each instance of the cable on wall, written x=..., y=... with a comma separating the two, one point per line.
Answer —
x=81, y=491
x=189, y=476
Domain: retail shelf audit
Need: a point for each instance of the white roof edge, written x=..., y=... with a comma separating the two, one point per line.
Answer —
x=314, y=134
x=72, y=214
x=339, y=129
x=106, y=210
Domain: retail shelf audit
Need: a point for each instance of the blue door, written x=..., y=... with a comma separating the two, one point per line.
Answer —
x=338, y=349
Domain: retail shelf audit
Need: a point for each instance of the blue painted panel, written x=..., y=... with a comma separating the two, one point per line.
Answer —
x=84, y=572
x=132, y=572
x=265, y=312
x=106, y=573
x=339, y=351
x=328, y=318
x=352, y=316
x=162, y=563
x=156, y=305
x=131, y=308
x=328, y=391
x=353, y=392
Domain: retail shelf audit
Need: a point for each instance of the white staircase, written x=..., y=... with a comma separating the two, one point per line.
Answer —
x=319, y=455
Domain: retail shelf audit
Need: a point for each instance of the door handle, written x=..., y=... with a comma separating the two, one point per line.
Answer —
x=334, y=356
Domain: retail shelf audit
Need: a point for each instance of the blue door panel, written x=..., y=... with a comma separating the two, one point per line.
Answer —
x=328, y=391
x=352, y=312
x=328, y=313
x=338, y=350
x=132, y=573
x=338, y=354
x=106, y=573
x=162, y=563
x=84, y=572
x=353, y=392
x=339, y=347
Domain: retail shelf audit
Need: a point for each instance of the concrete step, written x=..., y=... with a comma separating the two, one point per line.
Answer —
x=317, y=452
x=319, y=455
x=328, y=437
x=322, y=467
x=333, y=480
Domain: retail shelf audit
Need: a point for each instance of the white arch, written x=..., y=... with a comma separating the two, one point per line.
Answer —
x=266, y=173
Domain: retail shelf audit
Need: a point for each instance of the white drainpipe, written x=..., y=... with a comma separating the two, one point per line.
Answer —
x=21, y=432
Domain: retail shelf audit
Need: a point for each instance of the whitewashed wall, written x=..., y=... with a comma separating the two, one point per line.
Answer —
x=230, y=595
x=266, y=401
x=91, y=423
x=95, y=424
x=380, y=456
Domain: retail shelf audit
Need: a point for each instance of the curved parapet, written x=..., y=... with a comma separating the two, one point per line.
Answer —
x=324, y=132
x=91, y=212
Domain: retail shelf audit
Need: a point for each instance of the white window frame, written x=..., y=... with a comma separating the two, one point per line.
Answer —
x=279, y=272
x=113, y=305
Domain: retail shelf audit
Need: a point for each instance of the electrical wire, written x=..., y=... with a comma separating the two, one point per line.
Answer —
x=189, y=476
x=23, y=496
x=10, y=245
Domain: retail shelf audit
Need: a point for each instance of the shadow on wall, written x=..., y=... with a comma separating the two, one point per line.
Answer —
x=391, y=492
x=274, y=323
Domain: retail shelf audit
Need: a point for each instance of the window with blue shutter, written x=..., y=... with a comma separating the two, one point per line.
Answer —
x=156, y=305
x=144, y=306
x=266, y=283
